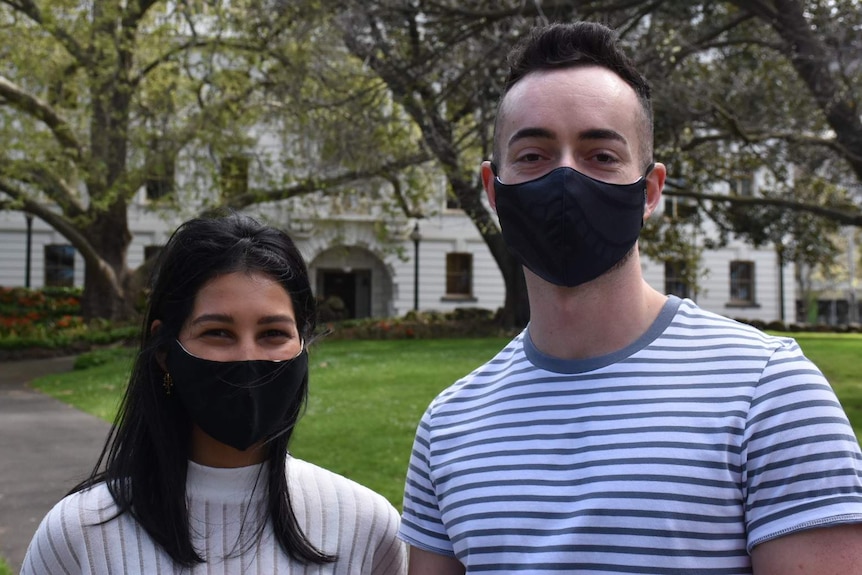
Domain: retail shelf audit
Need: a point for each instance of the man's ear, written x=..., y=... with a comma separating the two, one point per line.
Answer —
x=160, y=354
x=488, y=184
x=654, y=186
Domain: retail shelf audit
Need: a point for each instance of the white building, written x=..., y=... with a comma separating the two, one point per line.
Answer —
x=374, y=277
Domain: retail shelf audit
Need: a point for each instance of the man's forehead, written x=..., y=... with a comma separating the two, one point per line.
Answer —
x=602, y=102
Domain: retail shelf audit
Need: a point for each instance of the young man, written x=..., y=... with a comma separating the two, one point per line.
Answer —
x=623, y=431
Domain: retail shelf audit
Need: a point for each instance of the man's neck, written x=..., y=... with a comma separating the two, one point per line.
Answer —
x=593, y=319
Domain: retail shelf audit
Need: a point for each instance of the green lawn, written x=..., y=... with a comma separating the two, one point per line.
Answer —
x=4, y=568
x=367, y=396
x=839, y=356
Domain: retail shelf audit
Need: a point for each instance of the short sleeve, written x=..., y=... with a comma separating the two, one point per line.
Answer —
x=802, y=458
x=421, y=521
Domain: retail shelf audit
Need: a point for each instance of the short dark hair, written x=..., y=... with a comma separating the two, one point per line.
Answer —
x=568, y=45
x=146, y=453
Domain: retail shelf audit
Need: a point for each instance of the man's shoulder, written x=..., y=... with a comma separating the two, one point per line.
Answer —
x=692, y=320
x=511, y=357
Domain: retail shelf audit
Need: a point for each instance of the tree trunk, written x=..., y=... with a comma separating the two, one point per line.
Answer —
x=516, y=307
x=107, y=297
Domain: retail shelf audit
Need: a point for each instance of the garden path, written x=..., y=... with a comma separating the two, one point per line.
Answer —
x=46, y=447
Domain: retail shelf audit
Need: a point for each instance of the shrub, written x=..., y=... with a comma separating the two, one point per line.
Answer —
x=466, y=322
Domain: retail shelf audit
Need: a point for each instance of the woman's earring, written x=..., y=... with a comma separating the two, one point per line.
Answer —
x=167, y=383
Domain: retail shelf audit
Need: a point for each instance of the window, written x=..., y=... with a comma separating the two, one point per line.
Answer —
x=674, y=279
x=59, y=265
x=160, y=182
x=679, y=208
x=743, y=186
x=741, y=282
x=459, y=275
x=234, y=176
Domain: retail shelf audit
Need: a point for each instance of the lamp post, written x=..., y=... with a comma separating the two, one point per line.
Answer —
x=29, y=250
x=416, y=236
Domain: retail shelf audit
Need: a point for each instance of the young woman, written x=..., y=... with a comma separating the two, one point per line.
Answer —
x=197, y=477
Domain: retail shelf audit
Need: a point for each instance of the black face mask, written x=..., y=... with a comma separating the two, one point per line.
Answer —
x=239, y=403
x=568, y=228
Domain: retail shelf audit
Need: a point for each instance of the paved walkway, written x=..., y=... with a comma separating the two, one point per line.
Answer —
x=45, y=448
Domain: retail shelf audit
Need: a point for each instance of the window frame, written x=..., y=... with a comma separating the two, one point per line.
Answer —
x=59, y=265
x=459, y=266
x=737, y=283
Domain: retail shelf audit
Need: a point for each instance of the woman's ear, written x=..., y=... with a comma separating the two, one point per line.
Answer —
x=160, y=354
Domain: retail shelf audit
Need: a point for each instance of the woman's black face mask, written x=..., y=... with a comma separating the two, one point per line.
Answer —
x=569, y=228
x=239, y=403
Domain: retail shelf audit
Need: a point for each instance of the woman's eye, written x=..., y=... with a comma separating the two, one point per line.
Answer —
x=216, y=333
x=276, y=333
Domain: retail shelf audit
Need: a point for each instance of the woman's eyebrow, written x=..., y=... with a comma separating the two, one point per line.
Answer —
x=219, y=317
x=276, y=319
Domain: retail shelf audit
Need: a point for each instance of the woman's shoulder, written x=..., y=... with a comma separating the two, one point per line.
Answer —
x=59, y=542
x=90, y=505
x=318, y=485
x=345, y=518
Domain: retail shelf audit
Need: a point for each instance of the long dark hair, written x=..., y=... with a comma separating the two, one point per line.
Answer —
x=146, y=454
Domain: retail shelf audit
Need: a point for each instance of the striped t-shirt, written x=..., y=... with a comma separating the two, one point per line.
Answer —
x=675, y=455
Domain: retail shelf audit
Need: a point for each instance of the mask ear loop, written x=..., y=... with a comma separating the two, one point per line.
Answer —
x=494, y=169
x=646, y=173
x=649, y=169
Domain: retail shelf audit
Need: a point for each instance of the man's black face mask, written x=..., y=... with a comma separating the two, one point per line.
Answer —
x=569, y=228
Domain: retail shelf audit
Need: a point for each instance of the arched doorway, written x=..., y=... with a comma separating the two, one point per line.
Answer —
x=351, y=282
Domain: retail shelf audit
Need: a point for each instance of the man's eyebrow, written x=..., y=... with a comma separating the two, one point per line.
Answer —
x=593, y=134
x=600, y=134
x=532, y=133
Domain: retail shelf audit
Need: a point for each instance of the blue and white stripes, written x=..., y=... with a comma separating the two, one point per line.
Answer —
x=677, y=454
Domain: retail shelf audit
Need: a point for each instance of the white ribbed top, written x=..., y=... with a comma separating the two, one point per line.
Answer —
x=338, y=516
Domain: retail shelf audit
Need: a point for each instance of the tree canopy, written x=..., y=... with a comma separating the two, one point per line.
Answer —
x=99, y=101
x=741, y=89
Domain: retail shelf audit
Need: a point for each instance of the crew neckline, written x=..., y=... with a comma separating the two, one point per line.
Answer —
x=558, y=365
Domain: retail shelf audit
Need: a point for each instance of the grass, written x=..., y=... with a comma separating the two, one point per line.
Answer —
x=839, y=357
x=4, y=568
x=367, y=396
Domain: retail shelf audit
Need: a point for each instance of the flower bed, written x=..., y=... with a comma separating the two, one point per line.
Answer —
x=48, y=322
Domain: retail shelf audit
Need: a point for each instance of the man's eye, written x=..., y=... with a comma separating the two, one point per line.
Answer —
x=605, y=158
x=530, y=158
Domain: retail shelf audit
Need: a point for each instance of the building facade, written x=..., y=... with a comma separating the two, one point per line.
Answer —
x=360, y=272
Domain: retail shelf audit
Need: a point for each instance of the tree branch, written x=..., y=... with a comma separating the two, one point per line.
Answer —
x=851, y=217
x=53, y=186
x=310, y=185
x=42, y=111
x=31, y=10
